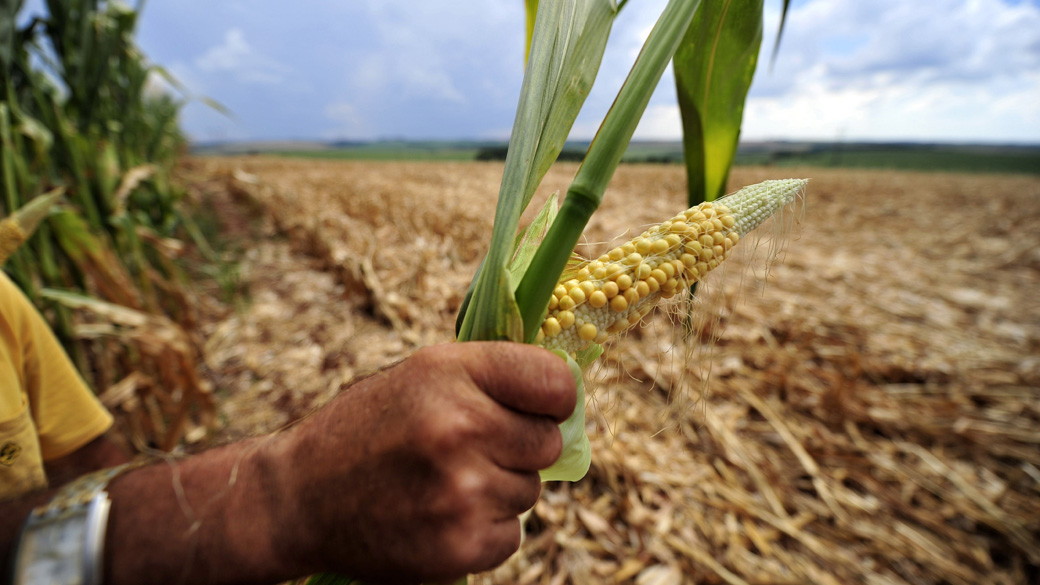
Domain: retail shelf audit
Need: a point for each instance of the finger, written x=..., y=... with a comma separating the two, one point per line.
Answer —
x=523, y=377
x=484, y=549
x=516, y=493
x=522, y=442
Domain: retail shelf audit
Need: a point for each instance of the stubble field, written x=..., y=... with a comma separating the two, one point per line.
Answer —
x=867, y=411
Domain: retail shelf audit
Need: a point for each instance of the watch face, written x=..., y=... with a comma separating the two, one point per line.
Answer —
x=52, y=552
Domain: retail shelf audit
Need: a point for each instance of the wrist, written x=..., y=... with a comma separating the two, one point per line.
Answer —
x=278, y=494
x=219, y=517
x=260, y=508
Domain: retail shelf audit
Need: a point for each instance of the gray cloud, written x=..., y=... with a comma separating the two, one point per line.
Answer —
x=892, y=41
x=400, y=68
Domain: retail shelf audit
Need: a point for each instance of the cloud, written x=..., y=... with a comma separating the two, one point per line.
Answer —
x=348, y=122
x=890, y=69
x=238, y=58
x=432, y=51
x=886, y=42
x=884, y=69
x=660, y=122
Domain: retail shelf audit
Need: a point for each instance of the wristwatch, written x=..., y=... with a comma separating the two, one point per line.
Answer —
x=62, y=542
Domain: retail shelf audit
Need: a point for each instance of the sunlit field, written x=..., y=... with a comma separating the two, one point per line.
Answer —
x=865, y=411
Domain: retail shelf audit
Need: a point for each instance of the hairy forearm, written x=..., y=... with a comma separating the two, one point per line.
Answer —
x=213, y=518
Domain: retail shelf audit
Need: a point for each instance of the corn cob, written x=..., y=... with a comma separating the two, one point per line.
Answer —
x=615, y=291
x=11, y=237
x=17, y=228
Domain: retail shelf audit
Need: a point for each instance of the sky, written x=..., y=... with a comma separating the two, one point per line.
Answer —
x=878, y=70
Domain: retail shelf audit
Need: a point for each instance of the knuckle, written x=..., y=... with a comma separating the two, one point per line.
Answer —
x=429, y=356
x=449, y=431
x=462, y=494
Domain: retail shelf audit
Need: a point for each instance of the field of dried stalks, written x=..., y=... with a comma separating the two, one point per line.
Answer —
x=869, y=412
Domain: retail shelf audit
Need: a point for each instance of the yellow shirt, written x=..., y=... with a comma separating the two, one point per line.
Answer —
x=46, y=410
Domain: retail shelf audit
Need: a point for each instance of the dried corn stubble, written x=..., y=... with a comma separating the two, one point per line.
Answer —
x=857, y=354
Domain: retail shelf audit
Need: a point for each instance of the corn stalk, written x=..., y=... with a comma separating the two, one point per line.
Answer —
x=76, y=115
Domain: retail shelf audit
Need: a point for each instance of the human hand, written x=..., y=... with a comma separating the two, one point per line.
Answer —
x=418, y=472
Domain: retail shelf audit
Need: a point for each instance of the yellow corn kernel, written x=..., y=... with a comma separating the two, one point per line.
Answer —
x=618, y=304
x=631, y=295
x=653, y=284
x=598, y=299
x=567, y=303
x=565, y=319
x=551, y=327
x=588, y=332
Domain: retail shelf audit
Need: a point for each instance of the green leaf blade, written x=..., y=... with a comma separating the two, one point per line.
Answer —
x=713, y=70
x=566, y=50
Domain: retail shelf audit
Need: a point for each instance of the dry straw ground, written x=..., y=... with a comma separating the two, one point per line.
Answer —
x=872, y=413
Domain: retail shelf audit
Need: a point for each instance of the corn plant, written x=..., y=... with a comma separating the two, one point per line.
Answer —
x=531, y=287
x=76, y=115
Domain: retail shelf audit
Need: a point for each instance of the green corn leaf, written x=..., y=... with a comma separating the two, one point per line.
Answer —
x=713, y=70
x=524, y=247
x=528, y=240
x=577, y=62
x=566, y=49
x=779, y=33
x=8, y=33
x=604, y=154
x=530, y=11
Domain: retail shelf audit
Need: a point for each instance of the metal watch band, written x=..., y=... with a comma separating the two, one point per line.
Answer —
x=63, y=540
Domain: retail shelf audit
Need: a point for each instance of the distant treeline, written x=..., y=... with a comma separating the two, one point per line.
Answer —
x=490, y=153
x=904, y=156
x=896, y=155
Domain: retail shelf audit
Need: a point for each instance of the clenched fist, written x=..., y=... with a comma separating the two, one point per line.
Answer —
x=418, y=473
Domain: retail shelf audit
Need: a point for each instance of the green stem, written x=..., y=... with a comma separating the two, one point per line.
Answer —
x=552, y=256
x=586, y=191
